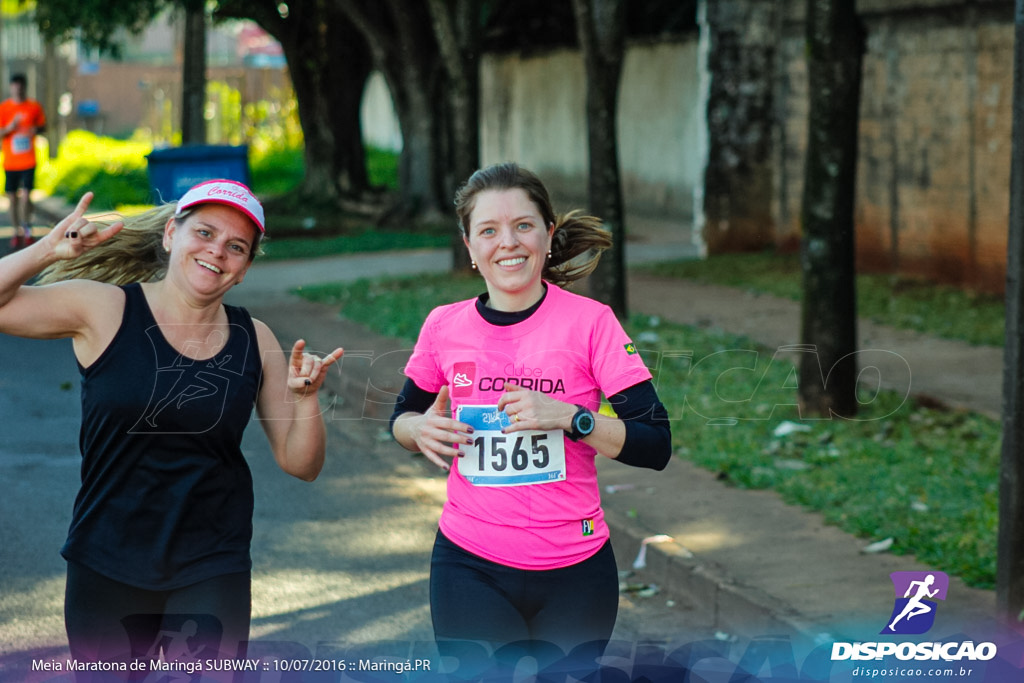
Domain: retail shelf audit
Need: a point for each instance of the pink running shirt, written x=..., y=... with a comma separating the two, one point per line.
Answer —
x=573, y=349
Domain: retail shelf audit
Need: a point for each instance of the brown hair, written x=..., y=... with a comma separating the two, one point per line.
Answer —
x=135, y=254
x=575, y=235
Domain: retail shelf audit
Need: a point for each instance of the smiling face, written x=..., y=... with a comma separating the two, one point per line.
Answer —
x=211, y=249
x=508, y=240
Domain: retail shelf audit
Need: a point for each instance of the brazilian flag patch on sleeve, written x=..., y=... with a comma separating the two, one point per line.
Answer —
x=630, y=348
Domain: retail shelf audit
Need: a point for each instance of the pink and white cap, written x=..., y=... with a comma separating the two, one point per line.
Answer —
x=227, y=192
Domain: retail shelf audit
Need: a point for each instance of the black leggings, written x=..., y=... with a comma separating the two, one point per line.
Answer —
x=473, y=599
x=110, y=621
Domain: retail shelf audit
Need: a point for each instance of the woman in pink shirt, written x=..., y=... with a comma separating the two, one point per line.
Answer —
x=522, y=552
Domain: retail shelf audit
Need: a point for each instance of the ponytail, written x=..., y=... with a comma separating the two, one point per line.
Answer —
x=576, y=248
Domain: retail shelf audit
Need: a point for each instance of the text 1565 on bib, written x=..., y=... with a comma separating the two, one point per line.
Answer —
x=517, y=459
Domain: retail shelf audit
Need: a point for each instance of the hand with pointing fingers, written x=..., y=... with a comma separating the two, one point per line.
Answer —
x=75, y=234
x=307, y=371
x=437, y=435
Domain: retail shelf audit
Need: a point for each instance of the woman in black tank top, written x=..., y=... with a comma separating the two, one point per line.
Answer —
x=158, y=548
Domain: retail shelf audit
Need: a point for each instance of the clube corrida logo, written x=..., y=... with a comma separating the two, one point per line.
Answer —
x=913, y=613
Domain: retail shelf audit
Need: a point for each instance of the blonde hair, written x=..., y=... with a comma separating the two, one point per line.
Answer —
x=135, y=254
x=578, y=239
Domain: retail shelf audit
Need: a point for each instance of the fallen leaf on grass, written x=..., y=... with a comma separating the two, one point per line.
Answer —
x=786, y=428
x=879, y=546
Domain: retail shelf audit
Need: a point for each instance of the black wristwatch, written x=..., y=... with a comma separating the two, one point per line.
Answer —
x=582, y=424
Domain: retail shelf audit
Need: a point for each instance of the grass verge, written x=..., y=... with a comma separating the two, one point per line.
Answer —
x=941, y=311
x=937, y=496
x=368, y=240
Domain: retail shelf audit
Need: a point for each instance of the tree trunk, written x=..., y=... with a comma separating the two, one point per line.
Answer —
x=401, y=40
x=1010, y=562
x=193, y=75
x=828, y=378
x=738, y=176
x=600, y=28
x=51, y=97
x=457, y=29
x=328, y=62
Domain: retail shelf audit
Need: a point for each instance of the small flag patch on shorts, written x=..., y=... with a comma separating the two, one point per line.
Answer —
x=630, y=348
x=588, y=527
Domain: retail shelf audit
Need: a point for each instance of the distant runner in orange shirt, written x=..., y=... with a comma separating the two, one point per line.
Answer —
x=21, y=119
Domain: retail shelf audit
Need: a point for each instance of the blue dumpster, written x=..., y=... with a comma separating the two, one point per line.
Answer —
x=174, y=170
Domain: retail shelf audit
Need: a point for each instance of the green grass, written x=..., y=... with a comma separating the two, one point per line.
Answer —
x=937, y=498
x=276, y=172
x=382, y=168
x=395, y=307
x=938, y=310
x=370, y=240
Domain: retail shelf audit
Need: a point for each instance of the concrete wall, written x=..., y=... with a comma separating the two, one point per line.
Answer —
x=533, y=112
x=934, y=156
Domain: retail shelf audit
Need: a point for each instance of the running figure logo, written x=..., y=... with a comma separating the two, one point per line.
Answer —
x=914, y=612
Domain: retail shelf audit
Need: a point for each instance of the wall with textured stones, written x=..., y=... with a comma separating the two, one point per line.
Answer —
x=934, y=146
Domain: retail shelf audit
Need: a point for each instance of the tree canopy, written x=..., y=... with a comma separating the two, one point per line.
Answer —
x=97, y=22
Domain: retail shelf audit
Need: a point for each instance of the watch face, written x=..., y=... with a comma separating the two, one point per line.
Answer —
x=585, y=423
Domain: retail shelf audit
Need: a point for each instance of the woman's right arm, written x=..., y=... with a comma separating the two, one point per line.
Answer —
x=64, y=309
x=420, y=423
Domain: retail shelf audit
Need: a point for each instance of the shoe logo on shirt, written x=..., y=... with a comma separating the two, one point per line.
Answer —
x=464, y=374
x=588, y=527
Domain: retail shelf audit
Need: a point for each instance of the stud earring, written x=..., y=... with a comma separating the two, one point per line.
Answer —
x=474, y=265
x=549, y=253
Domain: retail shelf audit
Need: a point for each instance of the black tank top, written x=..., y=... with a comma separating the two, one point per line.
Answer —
x=167, y=497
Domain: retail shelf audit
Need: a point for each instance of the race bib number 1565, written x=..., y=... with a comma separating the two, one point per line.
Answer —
x=516, y=459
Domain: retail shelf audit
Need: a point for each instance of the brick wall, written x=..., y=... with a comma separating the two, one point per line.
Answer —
x=934, y=155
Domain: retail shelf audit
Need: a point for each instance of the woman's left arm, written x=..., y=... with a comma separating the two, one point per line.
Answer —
x=640, y=434
x=288, y=406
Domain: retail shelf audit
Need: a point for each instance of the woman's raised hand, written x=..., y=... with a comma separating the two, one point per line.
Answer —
x=307, y=371
x=75, y=234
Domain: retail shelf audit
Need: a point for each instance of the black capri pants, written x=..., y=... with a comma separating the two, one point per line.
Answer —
x=474, y=599
x=109, y=621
